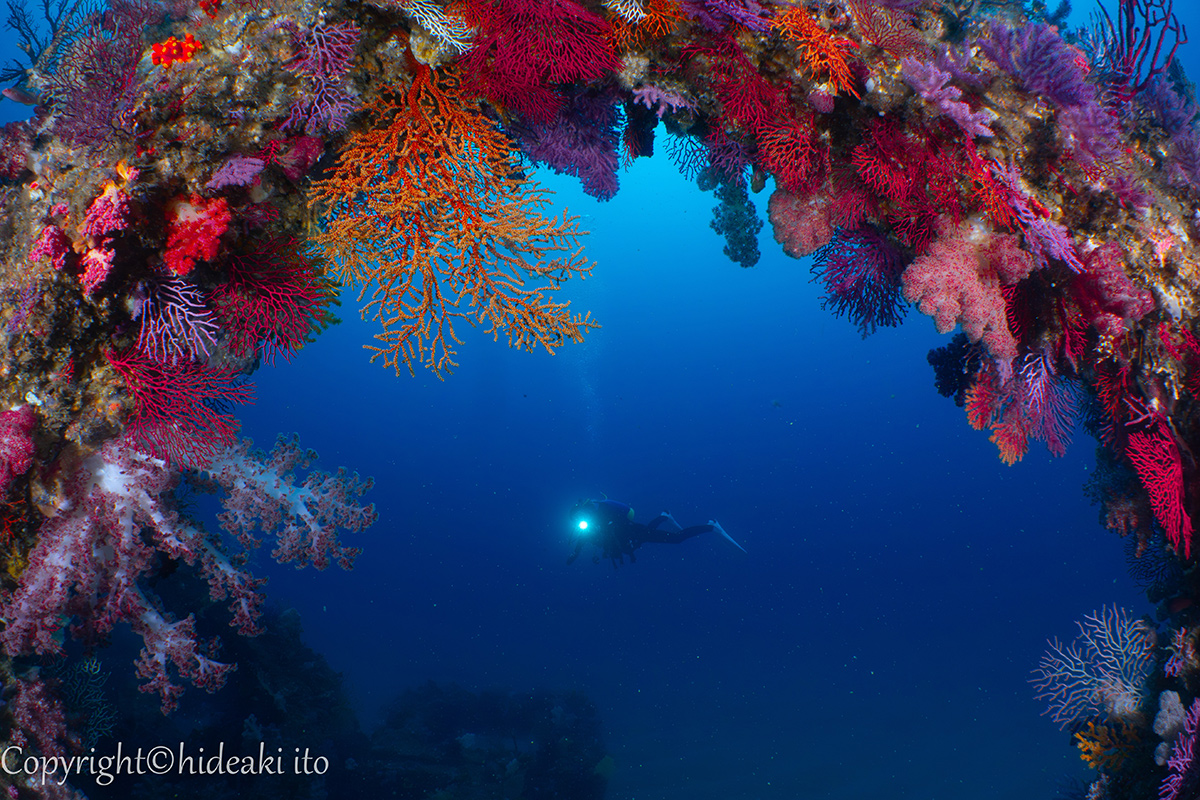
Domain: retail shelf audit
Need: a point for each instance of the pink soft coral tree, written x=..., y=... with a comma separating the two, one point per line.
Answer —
x=264, y=496
x=959, y=280
x=115, y=519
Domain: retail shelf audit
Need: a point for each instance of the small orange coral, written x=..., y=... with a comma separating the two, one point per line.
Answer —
x=1106, y=746
x=1011, y=435
x=657, y=21
x=174, y=51
x=428, y=211
x=822, y=53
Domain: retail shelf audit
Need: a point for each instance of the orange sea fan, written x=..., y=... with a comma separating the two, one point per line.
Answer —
x=822, y=53
x=1011, y=435
x=659, y=21
x=428, y=211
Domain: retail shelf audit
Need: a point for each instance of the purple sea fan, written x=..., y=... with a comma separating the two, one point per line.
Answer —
x=1049, y=66
x=580, y=140
x=932, y=84
x=1049, y=402
x=176, y=322
x=1182, y=777
x=238, y=170
x=1091, y=133
x=726, y=156
x=1040, y=61
x=861, y=271
x=1174, y=111
x=716, y=15
x=325, y=54
x=95, y=84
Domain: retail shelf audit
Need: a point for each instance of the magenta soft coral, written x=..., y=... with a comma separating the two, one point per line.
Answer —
x=88, y=560
x=16, y=444
x=107, y=216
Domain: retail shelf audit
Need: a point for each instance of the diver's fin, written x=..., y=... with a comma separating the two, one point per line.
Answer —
x=672, y=520
x=717, y=527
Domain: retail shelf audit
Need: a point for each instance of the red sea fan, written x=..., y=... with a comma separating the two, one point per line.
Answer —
x=888, y=28
x=524, y=48
x=746, y=97
x=1155, y=457
x=787, y=149
x=271, y=300
x=175, y=413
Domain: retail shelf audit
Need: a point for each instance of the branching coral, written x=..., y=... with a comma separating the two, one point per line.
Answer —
x=428, y=213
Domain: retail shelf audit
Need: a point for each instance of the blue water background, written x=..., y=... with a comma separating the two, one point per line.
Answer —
x=900, y=581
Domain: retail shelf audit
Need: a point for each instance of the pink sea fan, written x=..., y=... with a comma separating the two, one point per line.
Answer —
x=176, y=322
x=660, y=100
x=1048, y=401
x=1103, y=671
x=1181, y=767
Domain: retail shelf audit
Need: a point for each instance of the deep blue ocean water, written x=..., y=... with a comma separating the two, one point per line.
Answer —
x=899, y=584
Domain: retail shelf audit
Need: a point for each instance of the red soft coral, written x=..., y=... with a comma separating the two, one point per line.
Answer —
x=194, y=232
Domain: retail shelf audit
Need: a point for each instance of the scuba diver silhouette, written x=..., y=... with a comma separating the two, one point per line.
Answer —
x=610, y=526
